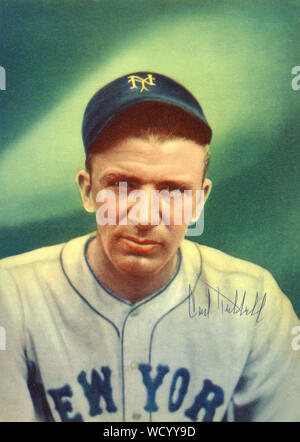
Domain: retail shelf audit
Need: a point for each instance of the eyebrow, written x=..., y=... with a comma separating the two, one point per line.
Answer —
x=123, y=177
x=119, y=177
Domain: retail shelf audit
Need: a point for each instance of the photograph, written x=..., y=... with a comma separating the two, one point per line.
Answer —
x=149, y=222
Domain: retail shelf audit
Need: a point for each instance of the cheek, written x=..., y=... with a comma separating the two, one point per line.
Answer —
x=111, y=207
x=188, y=207
x=109, y=240
x=176, y=234
x=106, y=208
x=181, y=211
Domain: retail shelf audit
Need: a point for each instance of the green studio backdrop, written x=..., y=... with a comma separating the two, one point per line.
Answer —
x=235, y=56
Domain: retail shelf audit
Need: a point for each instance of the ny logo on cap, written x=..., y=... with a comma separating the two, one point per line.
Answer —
x=149, y=80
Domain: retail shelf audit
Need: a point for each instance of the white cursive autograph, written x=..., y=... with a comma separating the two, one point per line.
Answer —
x=226, y=305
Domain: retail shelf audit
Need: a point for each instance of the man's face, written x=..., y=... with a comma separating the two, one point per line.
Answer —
x=145, y=165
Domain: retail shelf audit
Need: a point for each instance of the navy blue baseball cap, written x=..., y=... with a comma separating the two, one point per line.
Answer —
x=132, y=89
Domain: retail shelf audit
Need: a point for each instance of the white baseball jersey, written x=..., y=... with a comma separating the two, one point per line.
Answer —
x=215, y=343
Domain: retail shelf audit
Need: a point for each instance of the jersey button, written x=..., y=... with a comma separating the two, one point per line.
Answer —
x=133, y=364
x=135, y=313
x=136, y=416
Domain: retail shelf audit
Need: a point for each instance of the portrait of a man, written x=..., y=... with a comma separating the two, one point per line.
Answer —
x=143, y=302
x=135, y=319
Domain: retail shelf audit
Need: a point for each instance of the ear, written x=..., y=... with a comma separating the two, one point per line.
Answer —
x=83, y=180
x=206, y=186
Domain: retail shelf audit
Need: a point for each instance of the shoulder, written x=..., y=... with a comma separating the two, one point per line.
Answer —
x=38, y=266
x=231, y=276
x=215, y=260
x=244, y=289
x=41, y=256
x=30, y=280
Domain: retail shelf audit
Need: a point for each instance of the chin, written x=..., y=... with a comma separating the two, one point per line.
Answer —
x=139, y=266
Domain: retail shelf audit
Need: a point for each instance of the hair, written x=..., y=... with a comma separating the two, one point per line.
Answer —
x=151, y=121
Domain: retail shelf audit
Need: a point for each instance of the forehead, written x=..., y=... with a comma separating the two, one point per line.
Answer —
x=151, y=157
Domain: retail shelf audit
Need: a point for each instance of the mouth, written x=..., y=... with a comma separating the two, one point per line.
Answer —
x=140, y=245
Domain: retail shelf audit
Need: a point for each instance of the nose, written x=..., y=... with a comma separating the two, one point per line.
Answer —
x=141, y=210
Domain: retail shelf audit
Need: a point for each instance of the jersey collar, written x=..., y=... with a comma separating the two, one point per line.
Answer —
x=85, y=284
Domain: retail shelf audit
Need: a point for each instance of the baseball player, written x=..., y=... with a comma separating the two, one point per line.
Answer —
x=133, y=322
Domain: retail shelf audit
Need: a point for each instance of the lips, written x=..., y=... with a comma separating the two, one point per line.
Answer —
x=141, y=241
x=140, y=245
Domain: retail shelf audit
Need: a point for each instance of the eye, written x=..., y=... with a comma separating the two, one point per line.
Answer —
x=113, y=183
x=173, y=188
x=117, y=184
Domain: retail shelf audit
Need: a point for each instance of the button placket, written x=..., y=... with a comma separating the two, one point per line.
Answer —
x=135, y=351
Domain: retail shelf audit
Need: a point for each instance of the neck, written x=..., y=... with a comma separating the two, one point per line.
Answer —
x=133, y=288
